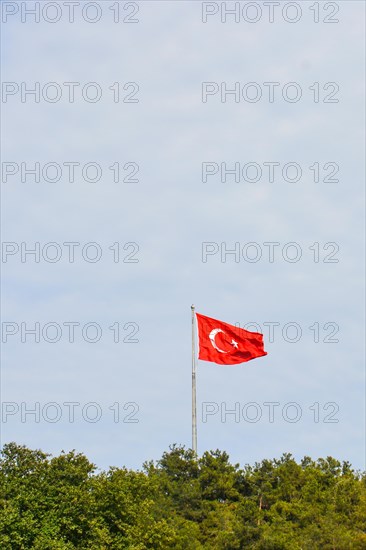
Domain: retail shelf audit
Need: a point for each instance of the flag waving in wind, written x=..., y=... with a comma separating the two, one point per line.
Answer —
x=226, y=344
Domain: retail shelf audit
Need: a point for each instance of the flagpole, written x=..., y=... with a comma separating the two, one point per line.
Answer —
x=194, y=408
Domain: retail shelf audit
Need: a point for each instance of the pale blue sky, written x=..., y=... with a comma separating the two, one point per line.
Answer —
x=169, y=213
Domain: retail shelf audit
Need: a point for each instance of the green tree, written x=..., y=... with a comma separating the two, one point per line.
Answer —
x=181, y=501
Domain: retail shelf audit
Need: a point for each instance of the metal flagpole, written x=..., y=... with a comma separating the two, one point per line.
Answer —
x=194, y=408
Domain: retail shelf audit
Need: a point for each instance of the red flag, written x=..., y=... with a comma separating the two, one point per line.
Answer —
x=226, y=344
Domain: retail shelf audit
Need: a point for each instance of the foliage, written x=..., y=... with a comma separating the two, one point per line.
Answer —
x=180, y=502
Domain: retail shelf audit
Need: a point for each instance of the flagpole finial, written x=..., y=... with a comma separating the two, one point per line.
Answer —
x=192, y=306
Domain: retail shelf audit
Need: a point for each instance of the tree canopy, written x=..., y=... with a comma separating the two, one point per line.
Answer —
x=181, y=502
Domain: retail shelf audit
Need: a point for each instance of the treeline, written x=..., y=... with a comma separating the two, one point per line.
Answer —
x=179, y=502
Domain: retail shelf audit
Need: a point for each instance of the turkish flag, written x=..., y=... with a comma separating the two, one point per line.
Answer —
x=226, y=344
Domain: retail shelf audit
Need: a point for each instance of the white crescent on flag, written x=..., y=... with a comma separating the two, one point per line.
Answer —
x=212, y=336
